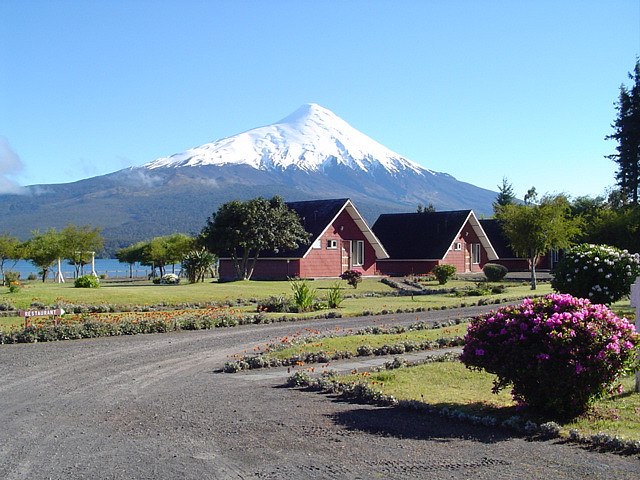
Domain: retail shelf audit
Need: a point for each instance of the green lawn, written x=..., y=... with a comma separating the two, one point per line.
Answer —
x=146, y=293
x=371, y=295
x=452, y=385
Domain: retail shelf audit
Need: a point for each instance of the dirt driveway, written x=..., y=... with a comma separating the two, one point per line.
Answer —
x=152, y=407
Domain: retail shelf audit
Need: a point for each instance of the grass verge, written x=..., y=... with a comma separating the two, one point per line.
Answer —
x=452, y=385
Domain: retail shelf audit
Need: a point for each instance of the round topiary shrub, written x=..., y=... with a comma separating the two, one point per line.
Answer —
x=86, y=281
x=444, y=273
x=494, y=272
x=601, y=273
x=559, y=353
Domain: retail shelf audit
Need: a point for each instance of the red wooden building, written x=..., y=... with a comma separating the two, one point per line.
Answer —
x=340, y=240
x=417, y=242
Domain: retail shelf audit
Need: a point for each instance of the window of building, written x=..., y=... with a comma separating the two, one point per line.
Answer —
x=332, y=244
x=357, y=253
x=317, y=244
x=457, y=246
x=475, y=252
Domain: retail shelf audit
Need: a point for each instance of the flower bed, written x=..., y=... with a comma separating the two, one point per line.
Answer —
x=265, y=359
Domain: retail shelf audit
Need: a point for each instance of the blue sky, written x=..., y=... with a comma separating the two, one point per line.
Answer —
x=477, y=89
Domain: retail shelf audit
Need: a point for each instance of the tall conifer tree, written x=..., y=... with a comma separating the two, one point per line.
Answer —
x=627, y=133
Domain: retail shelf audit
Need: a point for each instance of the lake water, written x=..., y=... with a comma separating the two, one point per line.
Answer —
x=109, y=266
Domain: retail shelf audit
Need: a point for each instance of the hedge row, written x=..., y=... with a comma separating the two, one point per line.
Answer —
x=262, y=361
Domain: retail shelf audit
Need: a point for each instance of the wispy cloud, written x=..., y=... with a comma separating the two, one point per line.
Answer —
x=10, y=164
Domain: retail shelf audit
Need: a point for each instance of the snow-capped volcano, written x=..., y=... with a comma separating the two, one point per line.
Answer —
x=311, y=154
x=310, y=139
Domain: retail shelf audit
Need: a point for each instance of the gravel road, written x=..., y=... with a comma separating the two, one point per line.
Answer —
x=153, y=407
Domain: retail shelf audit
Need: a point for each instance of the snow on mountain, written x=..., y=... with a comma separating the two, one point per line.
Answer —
x=310, y=139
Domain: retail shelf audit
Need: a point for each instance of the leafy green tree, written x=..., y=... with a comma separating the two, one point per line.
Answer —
x=243, y=230
x=616, y=227
x=168, y=250
x=42, y=249
x=608, y=222
x=78, y=243
x=531, y=197
x=626, y=131
x=505, y=196
x=10, y=249
x=428, y=209
x=132, y=254
x=533, y=230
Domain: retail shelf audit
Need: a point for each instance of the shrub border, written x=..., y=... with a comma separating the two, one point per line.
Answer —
x=251, y=362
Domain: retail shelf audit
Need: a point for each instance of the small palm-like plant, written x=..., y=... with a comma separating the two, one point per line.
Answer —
x=335, y=296
x=303, y=295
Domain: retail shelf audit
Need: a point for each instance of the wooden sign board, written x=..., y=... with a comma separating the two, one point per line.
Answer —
x=28, y=314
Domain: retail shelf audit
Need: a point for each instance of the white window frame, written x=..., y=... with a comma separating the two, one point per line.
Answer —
x=317, y=244
x=357, y=253
x=332, y=244
x=476, y=253
x=457, y=246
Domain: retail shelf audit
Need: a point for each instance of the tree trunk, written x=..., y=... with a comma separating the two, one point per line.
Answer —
x=245, y=264
x=131, y=270
x=253, y=266
x=45, y=272
x=534, y=282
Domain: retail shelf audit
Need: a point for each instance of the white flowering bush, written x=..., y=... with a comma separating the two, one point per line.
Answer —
x=170, y=279
x=601, y=273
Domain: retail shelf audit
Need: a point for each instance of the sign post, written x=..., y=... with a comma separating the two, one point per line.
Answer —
x=635, y=302
x=53, y=312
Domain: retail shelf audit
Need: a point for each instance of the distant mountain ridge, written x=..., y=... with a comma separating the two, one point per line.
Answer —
x=311, y=154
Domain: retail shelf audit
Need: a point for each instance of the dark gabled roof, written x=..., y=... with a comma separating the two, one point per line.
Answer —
x=497, y=238
x=425, y=235
x=315, y=216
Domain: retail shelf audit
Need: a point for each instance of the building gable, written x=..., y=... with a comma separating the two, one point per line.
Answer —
x=426, y=235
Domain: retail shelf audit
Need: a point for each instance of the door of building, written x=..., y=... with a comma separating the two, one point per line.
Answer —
x=467, y=258
x=346, y=255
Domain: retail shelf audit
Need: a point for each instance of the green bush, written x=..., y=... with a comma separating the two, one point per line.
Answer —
x=86, y=281
x=10, y=277
x=444, y=273
x=494, y=272
x=601, y=273
x=303, y=295
x=335, y=296
x=274, y=304
x=197, y=263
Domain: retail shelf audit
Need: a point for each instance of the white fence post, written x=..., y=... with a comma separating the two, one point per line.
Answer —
x=635, y=302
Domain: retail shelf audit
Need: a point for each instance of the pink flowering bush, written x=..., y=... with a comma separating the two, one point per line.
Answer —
x=559, y=353
x=601, y=273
